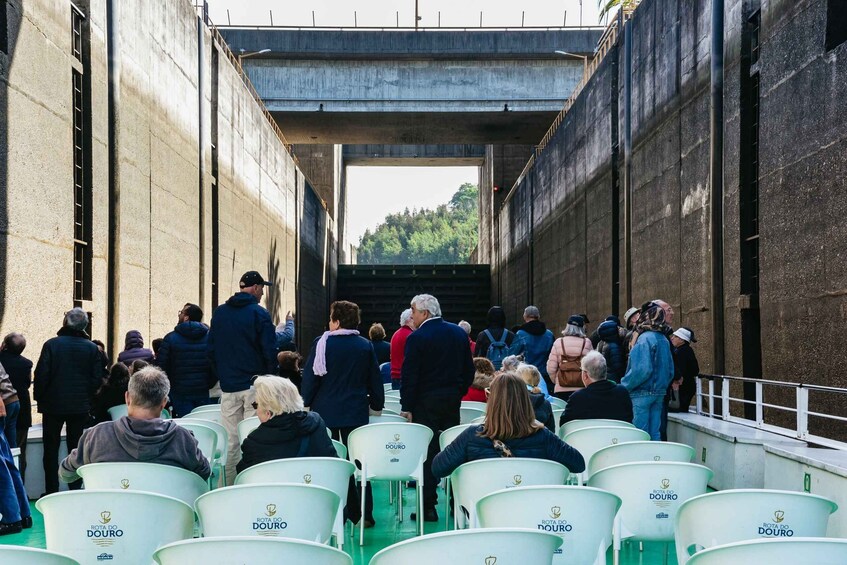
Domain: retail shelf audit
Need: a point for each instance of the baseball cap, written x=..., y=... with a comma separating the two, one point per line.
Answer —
x=577, y=320
x=251, y=278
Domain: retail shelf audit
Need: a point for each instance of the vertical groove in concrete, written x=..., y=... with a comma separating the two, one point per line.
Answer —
x=716, y=178
x=113, y=110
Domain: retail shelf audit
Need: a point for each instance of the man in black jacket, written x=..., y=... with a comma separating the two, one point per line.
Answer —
x=600, y=398
x=68, y=373
x=437, y=371
x=20, y=373
x=182, y=355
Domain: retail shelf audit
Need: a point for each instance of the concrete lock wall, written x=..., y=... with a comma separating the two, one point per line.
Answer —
x=165, y=132
x=552, y=240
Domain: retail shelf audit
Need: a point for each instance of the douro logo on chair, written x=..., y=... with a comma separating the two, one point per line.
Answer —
x=395, y=447
x=490, y=560
x=124, y=484
x=663, y=496
x=555, y=525
x=104, y=532
x=517, y=480
x=307, y=478
x=269, y=524
x=776, y=528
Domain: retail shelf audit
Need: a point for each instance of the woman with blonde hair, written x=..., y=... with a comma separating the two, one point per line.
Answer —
x=540, y=405
x=286, y=430
x=510, y=430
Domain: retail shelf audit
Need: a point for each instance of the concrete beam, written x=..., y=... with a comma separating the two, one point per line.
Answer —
x=414, y=155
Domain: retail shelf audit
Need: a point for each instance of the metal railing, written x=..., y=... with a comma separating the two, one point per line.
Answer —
x=411, y=28
x=801, y=409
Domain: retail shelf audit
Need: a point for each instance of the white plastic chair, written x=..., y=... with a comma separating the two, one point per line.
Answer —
x=484, y=547
x=246, y=426
x=386, y=387
x=386, y=418
x=474, y=404
x=327, y=472
x=574, y=425
x=340, y=448
x=473, y=480
x=392, y=404
x=820, y=551
x=207, y=441
x=297, y=511
x=391, y=452
x=213, y=415
x=239, y=549
x=445, y=439
x=16, y=455
x=589, y=441
x=93, y=526
x=633, y=451
x=147, y=477
x=480, y=420
x=652, y=492
x=15, y=555
x=219, y=470
x=582, y=516
x=206, y=408
x=728, y=516
x=557, y=416
x=468, y=415
x=557, y=403
x=119, y=411
x=392, y=394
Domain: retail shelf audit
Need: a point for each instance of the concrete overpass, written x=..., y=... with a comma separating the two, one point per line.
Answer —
x=413, y=88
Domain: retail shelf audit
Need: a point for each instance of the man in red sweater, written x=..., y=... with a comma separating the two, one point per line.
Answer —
x=398, y=346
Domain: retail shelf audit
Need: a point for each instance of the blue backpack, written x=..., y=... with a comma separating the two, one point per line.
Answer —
x=497, y=350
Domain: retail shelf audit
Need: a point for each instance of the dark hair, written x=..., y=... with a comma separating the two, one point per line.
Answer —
x=483, y=365
x=137, y=365
x=156, y=344
x=14, y=343
x=99, y=344
x=118, y=375
x=345, y=313
x=377, y=332
x=194, y=313
x=288, y=361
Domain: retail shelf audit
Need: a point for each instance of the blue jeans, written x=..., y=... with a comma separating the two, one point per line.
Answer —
x=14, y=504
x=183, y=404
x=647, y=414
x=10, y=425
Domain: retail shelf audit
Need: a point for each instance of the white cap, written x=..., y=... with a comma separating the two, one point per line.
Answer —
x=685, y=334
x=628, y=314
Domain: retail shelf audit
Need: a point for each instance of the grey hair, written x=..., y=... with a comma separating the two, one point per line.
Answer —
x=465, y=326
x=594, y=364
x=572, y=330
x=76, y=319
x=531, y=312
x=512, y=362
x=427, y=302
x=405, y=316
x=277, y=395
x=149, y=387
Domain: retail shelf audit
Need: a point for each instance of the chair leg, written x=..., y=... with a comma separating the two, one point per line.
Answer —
x=616, y=537
x=362, y=503
x=420, y=505
x=400, y=502
x=447, y=503
x=390, y=492
x=641, y=546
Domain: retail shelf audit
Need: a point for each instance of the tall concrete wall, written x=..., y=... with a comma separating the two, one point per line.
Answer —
x=564, y=205
x=166, y=247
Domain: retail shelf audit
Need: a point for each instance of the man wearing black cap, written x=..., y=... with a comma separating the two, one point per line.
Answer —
x=242, y=343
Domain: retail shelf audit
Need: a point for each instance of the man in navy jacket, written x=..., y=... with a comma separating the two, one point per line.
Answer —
x=182, y=356
x=242, y=343
x=437, y=371
x=600, y=398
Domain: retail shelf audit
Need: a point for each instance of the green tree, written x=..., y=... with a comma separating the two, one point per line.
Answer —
x=447, y=234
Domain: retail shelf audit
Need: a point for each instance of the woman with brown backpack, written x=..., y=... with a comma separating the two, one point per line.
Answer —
x=563, y=364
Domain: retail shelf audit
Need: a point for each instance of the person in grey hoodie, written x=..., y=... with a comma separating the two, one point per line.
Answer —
x=141, y=435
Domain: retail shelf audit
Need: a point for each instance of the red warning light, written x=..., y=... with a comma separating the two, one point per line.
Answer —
x=496, y=188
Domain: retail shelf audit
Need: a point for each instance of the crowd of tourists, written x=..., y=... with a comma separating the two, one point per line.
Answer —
x=635, y=371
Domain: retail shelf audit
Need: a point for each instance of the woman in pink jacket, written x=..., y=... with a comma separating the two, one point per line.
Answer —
x=563, y=364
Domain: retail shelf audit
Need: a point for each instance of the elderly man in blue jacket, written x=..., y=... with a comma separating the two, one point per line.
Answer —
x=437, y=371
x=242, y=343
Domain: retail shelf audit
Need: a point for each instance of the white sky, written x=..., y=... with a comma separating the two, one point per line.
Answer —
x=383, y=13
x=374, y=192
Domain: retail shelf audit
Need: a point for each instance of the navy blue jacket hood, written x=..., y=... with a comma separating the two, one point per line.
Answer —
x=192, y=330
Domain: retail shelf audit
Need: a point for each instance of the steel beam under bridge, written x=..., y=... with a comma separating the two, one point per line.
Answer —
x=414, y=155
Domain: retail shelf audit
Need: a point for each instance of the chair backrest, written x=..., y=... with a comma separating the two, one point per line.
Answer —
x=393, y=394
x=483, y=547
x=474, y=404
x=327, y=472
x=473, y=480
x=147, y=477
x=298, y=511
x=560, y=510
x=221, y=432
x=240, y=549
x=340, y=448
x=633, y=451
x=448, y=435
x=15, y=555
x=557, y=402
x=820, y=551
x=652, y=492
x=386, y=387
x=246, y=426
x=94, y=526
x=207, y=438
x=589, y=441
x=574, y=425
x=480, y=420
x=213, y=415
x=119, y=411
x=728, y=516
x=207, y=408
x=393, y=451
x=467, y=415
x=393, y=404
x=386, y=418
